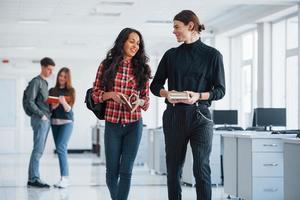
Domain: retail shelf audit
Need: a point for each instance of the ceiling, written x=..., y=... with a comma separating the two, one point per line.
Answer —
x=86, y=29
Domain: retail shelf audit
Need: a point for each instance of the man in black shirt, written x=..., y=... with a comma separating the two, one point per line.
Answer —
x=198, y=70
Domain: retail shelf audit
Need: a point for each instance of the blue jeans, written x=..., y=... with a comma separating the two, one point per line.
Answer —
x=121, y=146
x=61, y=136
x=40, y=132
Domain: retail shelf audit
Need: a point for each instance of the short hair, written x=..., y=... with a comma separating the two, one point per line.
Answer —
x=186, y=16
x=47, y=61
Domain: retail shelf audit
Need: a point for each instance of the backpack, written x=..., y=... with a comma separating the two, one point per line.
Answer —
x=25, y=100
x=98, y=109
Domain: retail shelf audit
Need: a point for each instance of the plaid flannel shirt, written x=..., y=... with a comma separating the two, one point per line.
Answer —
x=124, y=83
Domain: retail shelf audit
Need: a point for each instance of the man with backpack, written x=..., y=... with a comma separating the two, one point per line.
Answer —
x=35, y=105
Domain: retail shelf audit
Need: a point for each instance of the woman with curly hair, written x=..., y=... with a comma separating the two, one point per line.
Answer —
x=123, y=74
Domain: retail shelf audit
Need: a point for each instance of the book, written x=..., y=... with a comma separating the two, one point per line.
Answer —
x=54, y=99
x=174, y=95
x=126, y=102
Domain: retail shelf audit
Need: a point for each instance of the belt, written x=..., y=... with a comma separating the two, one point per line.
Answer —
x=183, y=105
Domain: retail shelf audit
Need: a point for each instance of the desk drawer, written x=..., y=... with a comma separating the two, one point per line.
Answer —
x=268, y=188
x=267, y=164
x=267, y=145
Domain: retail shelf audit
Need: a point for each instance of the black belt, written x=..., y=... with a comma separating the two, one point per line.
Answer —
x=183, y=105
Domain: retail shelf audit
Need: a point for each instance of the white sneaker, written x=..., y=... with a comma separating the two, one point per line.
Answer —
x=63, y=183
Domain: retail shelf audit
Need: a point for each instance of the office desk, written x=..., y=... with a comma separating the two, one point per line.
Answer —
x=260, y=166
x=230, y=163
x=156, y=151
x=291, y=168
x=230, y=160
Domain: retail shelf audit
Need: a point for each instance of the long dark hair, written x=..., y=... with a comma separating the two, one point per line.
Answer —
x=186, y=16
x=114, y=57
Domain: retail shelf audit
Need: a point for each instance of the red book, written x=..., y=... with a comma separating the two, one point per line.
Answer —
x=54, y=100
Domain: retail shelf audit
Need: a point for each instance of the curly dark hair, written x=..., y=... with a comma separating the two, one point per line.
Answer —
x=114, y=57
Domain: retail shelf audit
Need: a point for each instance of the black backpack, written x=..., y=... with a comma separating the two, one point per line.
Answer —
x=98, y=109
x=25, y=101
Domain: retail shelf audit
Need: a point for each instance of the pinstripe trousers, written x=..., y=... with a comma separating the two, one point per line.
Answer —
x=183, y=124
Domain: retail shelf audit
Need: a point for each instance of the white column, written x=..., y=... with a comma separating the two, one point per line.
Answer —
x=264, y=59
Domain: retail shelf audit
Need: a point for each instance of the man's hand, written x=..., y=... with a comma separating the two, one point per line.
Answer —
x=194, y=97
x=44, y=118
x=172, y=101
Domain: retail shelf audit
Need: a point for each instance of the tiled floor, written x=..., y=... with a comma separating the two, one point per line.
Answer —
x=87, y=177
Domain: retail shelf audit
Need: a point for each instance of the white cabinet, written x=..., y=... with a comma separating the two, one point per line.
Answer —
x=159, y=152
x=230, y=164
x=156, y=151
x=291, y=169
x=215, y=162
x=260, y=166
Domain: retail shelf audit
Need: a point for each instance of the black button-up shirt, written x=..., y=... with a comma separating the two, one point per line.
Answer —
x=191, y=67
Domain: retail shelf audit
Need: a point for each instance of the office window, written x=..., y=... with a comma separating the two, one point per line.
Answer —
x=248, y=80
x=247, y=43
x=285, y=68
x=246, y=88
x=292, y=85
x=8, y=103
x=292, y=33
x=278, y=64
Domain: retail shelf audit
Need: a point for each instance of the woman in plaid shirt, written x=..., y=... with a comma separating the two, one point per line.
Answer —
x=123, y=73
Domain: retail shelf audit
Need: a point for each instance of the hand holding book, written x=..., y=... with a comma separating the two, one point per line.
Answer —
x=125, y=101
x=57, y=100
x=132, y=102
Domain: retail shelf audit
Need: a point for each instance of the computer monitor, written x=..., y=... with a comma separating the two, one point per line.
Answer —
x=221, y=117
x=269, y=117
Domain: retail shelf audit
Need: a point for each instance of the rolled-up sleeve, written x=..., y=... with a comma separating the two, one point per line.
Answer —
x=144, y=94
x=98, y=90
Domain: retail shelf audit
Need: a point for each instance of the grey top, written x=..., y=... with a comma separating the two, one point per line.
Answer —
x=37, y=96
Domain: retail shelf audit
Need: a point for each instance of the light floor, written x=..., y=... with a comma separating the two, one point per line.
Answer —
x=87, y=177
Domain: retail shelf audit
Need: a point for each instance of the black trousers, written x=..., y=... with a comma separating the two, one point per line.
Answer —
x=183, y=124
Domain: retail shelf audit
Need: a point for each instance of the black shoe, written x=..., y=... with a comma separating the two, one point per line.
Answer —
x=37, y=184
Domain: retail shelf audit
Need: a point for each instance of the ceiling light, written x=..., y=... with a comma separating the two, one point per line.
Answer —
x=17, y=47
x=70, y=43
x=159, y=21
x=106, y=14
x=117, y=3
x=25, y=47
x=33, y=21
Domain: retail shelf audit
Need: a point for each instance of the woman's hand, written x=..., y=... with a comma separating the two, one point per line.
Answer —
x=62, y=100
x=138, y=102
x=115, y=96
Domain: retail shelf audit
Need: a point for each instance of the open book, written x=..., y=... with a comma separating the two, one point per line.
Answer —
x=54, y=100
x=126, y=102
x=131, y=103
